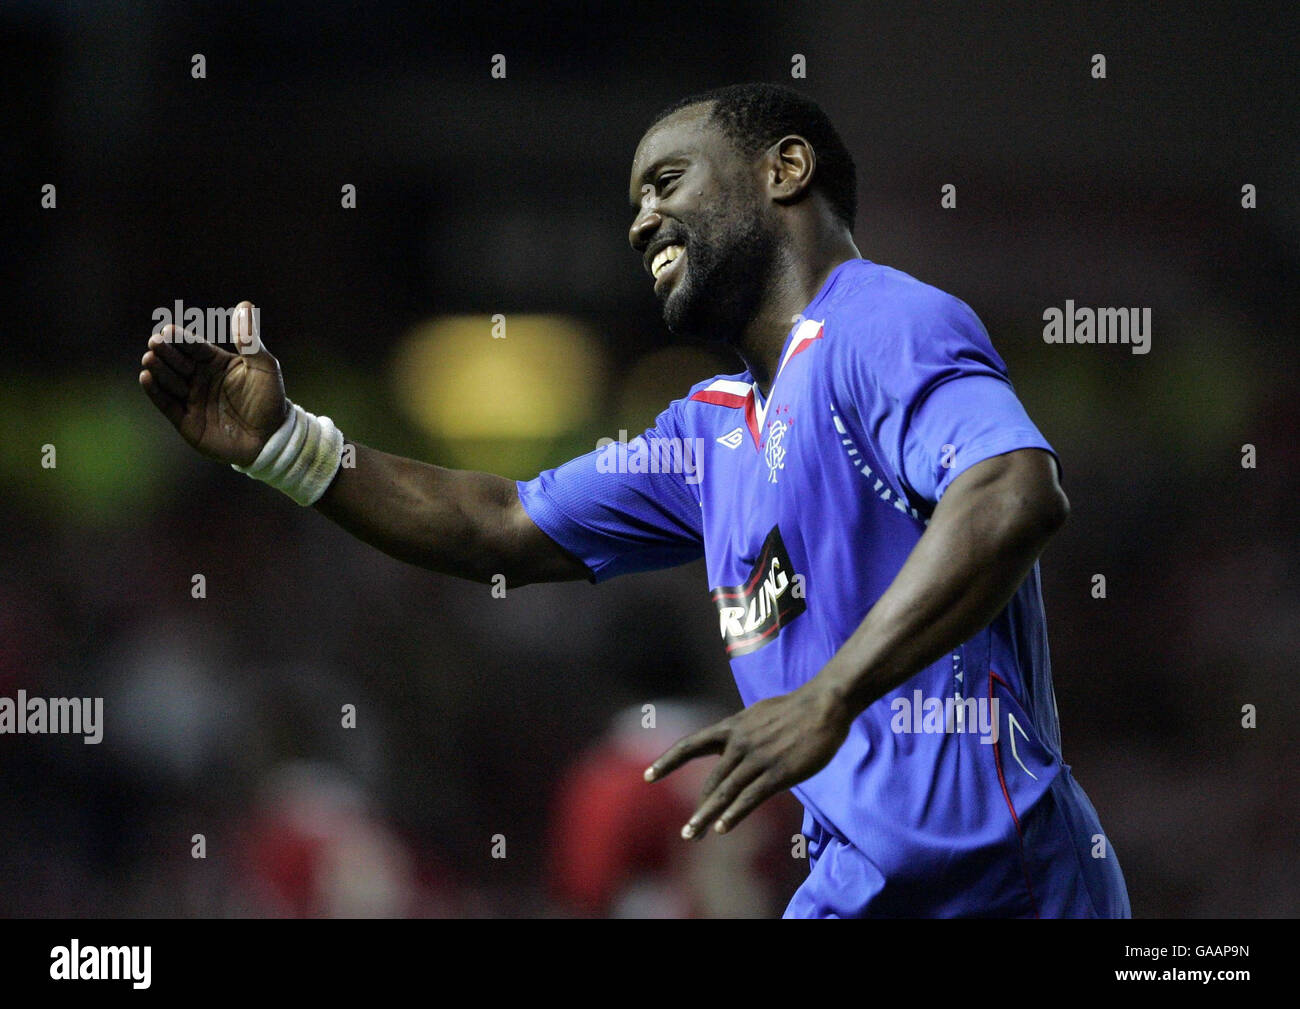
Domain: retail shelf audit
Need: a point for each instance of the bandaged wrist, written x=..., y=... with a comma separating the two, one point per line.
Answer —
x=301, y=458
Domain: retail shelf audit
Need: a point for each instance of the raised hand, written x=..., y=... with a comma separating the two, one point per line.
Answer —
x=224, y=404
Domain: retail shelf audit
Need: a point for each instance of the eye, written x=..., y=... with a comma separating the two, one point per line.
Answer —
x=666, y=179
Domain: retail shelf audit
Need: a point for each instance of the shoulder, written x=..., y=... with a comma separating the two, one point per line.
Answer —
x=723, y=389
x=705, y=397
x=884, y=320
x=872, y=295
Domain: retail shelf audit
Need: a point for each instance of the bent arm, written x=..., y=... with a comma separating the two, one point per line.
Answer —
x=456, y=522
x=984, y=537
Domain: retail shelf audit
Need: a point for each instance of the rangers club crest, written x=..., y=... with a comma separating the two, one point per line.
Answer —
x=774, y=444
x=774, y=450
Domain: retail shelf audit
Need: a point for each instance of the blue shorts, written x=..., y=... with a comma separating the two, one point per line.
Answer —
x=1055, y=862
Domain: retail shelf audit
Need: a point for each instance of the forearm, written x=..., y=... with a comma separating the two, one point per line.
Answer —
x=456, y=522
x=978, y=549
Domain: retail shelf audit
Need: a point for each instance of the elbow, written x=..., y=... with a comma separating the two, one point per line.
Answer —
x=1057, y=510
x=1031, y=514
x=1043, y=507
x=1020, y=503
x=1040, y=517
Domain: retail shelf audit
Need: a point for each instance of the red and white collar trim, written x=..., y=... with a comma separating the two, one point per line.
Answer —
x=807, y=331
x=744, y=396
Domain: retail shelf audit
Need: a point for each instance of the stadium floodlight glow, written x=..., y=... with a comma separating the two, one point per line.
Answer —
x=487, y=377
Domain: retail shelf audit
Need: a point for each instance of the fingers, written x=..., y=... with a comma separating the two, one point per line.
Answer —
x=245, y=329
x=167, y=378
x=710, y=740
x=734, y=787
x=187, y=344
x=725, y=765
x=178, y=362
x=751, y=797
x=172, y=408
x=177, y=359
x=245, y=338
x=721, y=798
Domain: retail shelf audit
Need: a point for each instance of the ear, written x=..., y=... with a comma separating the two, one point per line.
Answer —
x=789, y=168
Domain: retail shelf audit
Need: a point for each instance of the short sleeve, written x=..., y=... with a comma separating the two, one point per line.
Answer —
x=933, y=395
x=624, y=507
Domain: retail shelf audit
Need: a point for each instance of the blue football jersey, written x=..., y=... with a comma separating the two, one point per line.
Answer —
x=949, y=796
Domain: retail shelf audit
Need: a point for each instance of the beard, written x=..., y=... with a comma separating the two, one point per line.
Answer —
x=729, y=261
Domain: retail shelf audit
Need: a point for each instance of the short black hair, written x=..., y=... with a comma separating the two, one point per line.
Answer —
x=756, y=115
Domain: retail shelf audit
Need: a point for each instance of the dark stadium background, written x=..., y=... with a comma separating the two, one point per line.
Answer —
x=476, y=196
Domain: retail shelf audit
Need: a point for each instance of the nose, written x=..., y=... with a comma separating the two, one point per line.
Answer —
x=644, y=225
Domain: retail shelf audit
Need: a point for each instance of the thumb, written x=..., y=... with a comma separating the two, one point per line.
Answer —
x=246, y=329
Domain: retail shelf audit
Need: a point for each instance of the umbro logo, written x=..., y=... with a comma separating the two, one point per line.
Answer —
x=732, y=439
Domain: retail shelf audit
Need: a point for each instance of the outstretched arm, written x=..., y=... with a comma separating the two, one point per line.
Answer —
x=228, y=405
x=455, y=521
x=983, y=538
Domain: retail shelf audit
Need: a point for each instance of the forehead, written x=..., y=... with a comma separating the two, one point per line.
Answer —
x=684, y=134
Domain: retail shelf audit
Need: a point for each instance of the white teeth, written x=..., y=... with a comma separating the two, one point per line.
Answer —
x=663, y=257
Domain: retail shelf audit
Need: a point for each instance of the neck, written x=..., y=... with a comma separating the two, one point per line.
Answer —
x=798, y=275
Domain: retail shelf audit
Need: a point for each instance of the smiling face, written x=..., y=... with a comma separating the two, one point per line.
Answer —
x=702, y=228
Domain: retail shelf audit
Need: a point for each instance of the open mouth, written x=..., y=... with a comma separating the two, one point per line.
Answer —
x=667, y=263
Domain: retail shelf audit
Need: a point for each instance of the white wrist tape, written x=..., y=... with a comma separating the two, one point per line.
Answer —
x=301, y=458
